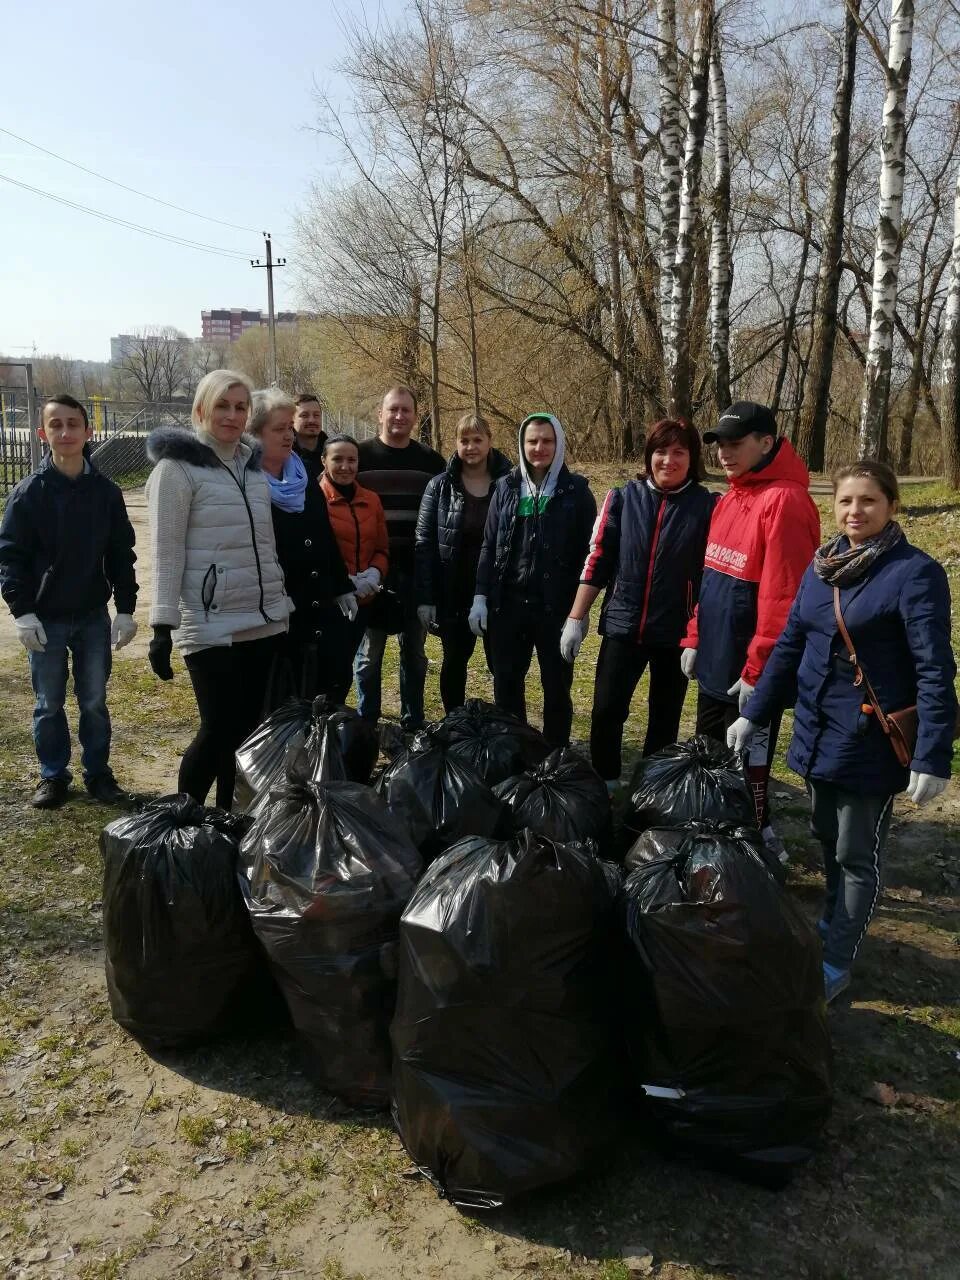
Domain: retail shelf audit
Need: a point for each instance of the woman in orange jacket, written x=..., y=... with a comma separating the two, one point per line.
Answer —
x=360, y=528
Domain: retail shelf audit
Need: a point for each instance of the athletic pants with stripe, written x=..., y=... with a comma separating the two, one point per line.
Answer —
x=852, y=828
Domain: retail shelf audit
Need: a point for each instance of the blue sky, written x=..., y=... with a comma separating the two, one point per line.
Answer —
x=205, y=105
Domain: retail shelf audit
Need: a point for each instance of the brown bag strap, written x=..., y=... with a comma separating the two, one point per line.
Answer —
x=860, y=676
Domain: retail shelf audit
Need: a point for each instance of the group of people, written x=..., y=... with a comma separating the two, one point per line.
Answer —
x=283, y=559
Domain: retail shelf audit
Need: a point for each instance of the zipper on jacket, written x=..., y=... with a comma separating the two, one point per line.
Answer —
x=253, y=533
x=648, y=585
x=356, y=525
x=208, y=589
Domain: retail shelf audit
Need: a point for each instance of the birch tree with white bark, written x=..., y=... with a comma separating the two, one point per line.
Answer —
x=677, y=347
x=721, y=264
x=671, y=154
x=886, y=260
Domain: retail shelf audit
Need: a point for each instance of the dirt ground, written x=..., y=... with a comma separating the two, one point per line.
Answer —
x=228, y=1160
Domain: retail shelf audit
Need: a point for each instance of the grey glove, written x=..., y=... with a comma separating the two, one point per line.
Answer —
x=123, y=630
x=30, y=633
x=347, y=604
x=743, y=691
x=688, y=662
x=924, y=786
x=427, y=613
x=572, y=637
x=740, y=734
x=477, y=618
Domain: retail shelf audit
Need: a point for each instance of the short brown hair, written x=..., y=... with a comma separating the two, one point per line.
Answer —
x=473, y=422
x=401, y=388
x=884, y=477
x=673, y=431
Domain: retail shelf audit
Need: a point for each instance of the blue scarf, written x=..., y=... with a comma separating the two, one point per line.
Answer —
x=287, y=491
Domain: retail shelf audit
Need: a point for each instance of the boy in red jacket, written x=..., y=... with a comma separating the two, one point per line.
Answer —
x=762, y=536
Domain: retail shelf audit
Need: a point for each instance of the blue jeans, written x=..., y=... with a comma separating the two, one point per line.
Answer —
x=368, y=670
x=87, y=637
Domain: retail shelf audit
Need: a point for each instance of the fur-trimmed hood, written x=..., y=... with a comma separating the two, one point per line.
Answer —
x=180, y=445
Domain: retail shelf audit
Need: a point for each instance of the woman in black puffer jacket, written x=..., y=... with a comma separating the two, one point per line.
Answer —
x=450, y=527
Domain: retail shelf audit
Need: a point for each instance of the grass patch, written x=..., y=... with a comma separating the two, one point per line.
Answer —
x=198, y=1130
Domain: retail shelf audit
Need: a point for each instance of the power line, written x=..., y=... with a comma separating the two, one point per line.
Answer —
x=122, y=185
x=132, y=226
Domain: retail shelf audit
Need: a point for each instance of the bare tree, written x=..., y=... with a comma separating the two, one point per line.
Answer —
x=950, y=415
x=721, y=265
x=156, y=363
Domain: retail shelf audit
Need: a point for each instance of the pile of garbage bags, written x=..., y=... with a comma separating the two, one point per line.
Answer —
x=449, y=940
x=723, y=999
x=329, y=873
x=182, y=963
x=329, y=742
x=505, y=1066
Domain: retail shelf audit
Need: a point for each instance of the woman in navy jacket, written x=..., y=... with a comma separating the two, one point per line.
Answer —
x=647, y=553
x=453, y=515
x=895, y=604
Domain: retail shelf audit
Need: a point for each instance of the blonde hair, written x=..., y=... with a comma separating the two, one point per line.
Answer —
x=263, y=403
x=473, y=422
x=209, y=390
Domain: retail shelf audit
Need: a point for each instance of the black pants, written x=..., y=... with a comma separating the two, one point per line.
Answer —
x=619, y=668
x=515, y=632
x=230, y=685
x=458, y=643
x=714, y=718
x=320, y=659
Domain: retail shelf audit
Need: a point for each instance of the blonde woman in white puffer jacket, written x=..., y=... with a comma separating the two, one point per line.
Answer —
x=218, y=589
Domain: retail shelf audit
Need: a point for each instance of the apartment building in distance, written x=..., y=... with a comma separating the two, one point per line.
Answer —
x=226, y=324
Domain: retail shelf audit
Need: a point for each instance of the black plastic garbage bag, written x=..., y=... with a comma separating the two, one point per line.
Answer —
x=339, y=746
x=504, y=1074
x=437, y=797
x=329, y=873
x=689, y=781
x=182, y=963
x=495, y=744
x=724, y=1005
x=562, y=798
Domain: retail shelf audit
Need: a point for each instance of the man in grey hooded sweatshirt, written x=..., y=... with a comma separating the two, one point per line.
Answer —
x=536, y=538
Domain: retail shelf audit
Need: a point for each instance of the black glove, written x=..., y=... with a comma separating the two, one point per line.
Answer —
x=159, y=651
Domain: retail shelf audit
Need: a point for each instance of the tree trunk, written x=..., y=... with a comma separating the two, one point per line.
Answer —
x=671, y=155
x=812, y=433
x=679, y=369
x=721, y=268
x=950, y=414
x=886, y=260
x=617, y=315
x=790, y=324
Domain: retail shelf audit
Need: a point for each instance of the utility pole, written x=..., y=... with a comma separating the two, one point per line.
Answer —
x=270, y=267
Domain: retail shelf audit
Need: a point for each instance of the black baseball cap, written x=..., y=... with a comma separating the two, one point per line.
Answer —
x=740, y=420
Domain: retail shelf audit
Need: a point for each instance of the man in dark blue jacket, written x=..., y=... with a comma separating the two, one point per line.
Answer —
x=534, y=545
x=66, y=546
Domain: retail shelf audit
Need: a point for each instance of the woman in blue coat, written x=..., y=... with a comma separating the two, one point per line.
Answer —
x=647, y=553
x=895, y=604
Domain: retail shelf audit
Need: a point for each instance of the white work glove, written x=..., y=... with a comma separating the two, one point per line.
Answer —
x=123, y=630
x=477, y=618
x=924, y=786
x=30, y=633
x=572, y=637
x=348, y=606
x=740, y=733
x=688, y=662
x=743, y=691
x=427, y=613
x=367, y=583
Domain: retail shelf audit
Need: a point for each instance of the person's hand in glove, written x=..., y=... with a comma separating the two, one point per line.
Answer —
x=924, y=786
x=427, y=613
x=123, y=630
x=367, y=583
x=743, y=691
x=30, y=633
x=740, y=734
x=159, y=651
x=477, y=618
x=347, y=604
x=688, y=662
x=572, y=637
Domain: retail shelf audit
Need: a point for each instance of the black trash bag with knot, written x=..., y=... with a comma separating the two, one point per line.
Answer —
x=562, y=798
x=437, y=797
x=329, y=873
x=723, y=1001
x=494, y=743
x=332, y=743
x=505, y=1071
x=182, y=963
x=689, y=781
